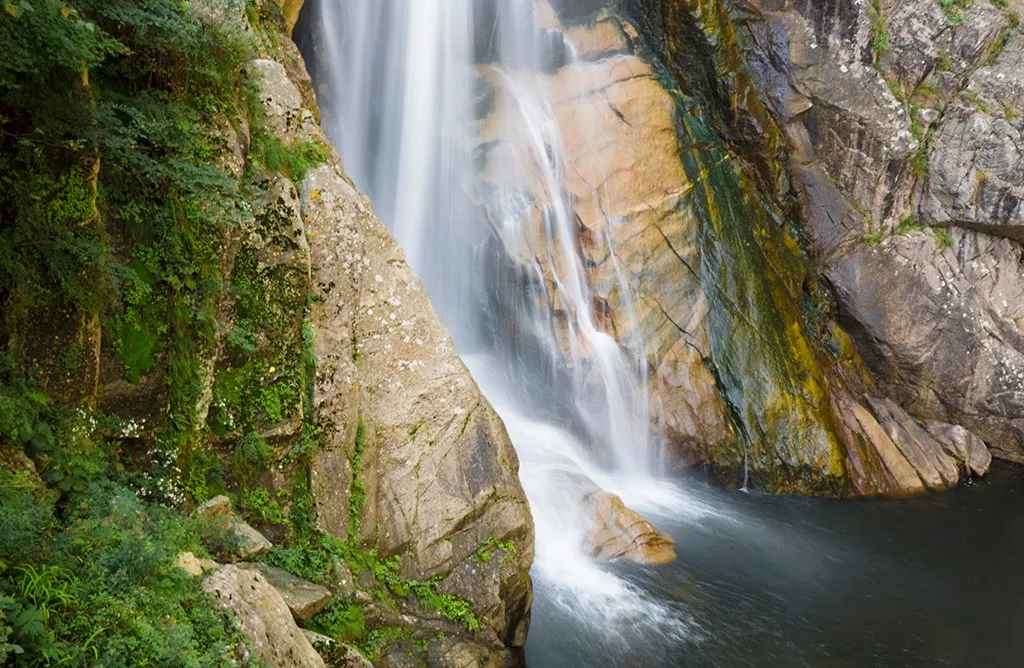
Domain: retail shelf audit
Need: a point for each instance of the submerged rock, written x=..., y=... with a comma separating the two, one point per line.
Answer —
x=619, y=532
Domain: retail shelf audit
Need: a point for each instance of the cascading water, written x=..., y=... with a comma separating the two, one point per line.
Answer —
x=445, y=119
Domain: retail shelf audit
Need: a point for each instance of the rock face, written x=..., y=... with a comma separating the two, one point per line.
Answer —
x=674, y=162
x=264, y=617
x=412, y=448
x=619, y=532
x=936, y=315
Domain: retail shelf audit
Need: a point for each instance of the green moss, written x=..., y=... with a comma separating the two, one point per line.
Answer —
x=357, y=496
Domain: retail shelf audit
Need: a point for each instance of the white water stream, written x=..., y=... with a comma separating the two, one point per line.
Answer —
x=445, y=120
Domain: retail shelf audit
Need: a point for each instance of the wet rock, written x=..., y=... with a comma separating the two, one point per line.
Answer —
x=304, y=598
x=966, y=448
x=263, y=616
x=619, y=532
x=878, y=467
x=930, y=460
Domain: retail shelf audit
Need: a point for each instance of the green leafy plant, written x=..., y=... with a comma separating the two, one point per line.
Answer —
x=943, y=237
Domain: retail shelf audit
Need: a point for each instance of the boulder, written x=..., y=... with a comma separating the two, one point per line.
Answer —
x=965, y=447
x=263, y=616
x=193, y=565
x=248, y=541
x=619, y=532
x=304, y=598
x=218, y=506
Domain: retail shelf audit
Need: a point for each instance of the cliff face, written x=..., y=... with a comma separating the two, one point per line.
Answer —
x=880, y=153
x=745, y=297
x=415, y=462
x=904, y=128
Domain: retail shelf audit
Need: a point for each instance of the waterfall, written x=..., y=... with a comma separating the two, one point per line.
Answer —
x=445, y=120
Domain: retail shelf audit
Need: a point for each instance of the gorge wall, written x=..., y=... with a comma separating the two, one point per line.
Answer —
x=802, y=327
x=700, y=195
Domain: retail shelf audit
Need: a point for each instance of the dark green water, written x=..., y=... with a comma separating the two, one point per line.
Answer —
x=773, y=581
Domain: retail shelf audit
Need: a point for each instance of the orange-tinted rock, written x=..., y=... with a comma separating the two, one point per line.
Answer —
x=619, y=532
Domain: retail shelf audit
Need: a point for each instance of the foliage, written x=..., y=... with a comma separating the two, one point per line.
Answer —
x=954, y=10
x=486, y=548
x=93, y=580
x=109, y=203
x=295, y=159
x=879, y=30
x=908, y=223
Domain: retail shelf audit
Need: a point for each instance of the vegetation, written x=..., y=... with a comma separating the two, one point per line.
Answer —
x=879, y=29
x=121, y=234
x=87, y=574
x=953, y=9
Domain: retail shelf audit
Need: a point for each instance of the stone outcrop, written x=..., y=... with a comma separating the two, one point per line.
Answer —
x=263, y=616
x=936, y=315
x=415, y=459
x=246, y=542
x=303, y=598
x=619, y=532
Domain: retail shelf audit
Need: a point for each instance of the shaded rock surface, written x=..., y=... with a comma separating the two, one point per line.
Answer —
x=936, y=316
x=263, y=615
